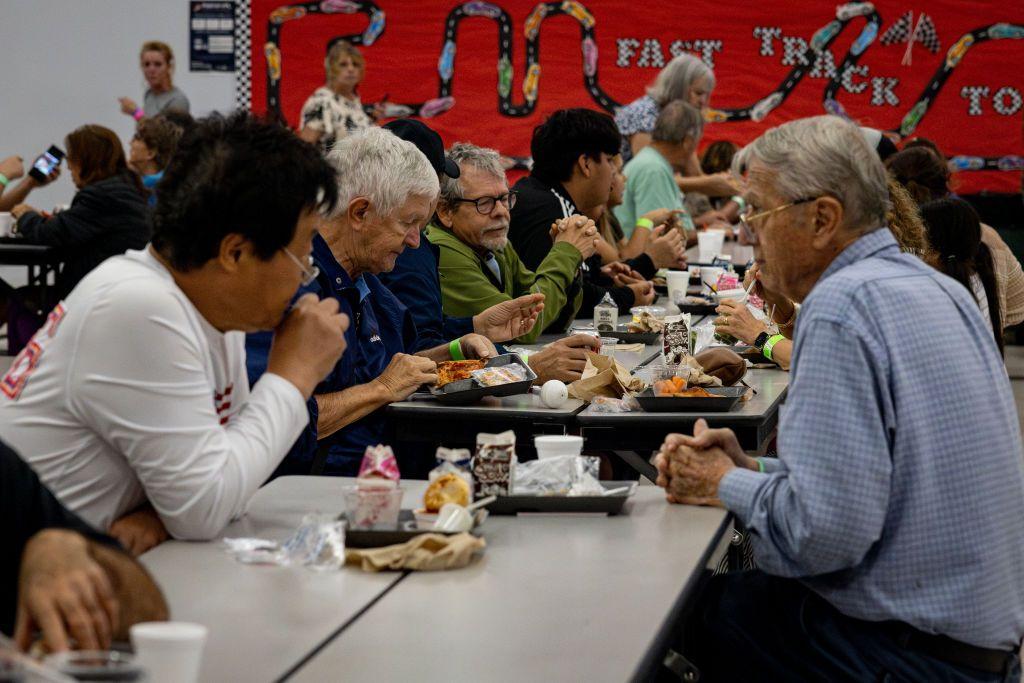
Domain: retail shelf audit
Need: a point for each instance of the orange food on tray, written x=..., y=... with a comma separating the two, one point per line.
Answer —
x=676, y=388
x=454, y=370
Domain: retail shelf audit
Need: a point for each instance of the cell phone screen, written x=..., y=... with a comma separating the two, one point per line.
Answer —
x=46, y=162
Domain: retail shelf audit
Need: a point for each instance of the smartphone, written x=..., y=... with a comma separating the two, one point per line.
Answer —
x=46, y=162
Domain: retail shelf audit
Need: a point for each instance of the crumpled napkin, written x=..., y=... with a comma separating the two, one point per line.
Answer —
x=603, y=376
x=426, y=552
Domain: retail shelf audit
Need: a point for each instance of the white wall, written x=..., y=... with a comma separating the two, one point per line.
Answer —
x=67, y=61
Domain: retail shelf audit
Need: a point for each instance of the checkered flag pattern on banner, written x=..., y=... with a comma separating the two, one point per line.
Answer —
x=926, y=34
x=900, y=31
x=243, y=55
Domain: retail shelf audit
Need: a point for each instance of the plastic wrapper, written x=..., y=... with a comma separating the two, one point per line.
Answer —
x=705, y=337
x=604, y=404
x=318, y=543
x=563, y=475
x=500, y=374
x=451, y=481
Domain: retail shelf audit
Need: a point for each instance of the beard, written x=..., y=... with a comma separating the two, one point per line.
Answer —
x=495, y=238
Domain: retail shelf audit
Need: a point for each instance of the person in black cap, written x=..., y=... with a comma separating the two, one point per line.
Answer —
x=416, y=283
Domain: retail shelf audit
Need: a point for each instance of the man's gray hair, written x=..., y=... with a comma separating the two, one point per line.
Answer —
x=376, y=164
x=677, y=121
x=823, y=155
x=466, y=154
x=675, y=80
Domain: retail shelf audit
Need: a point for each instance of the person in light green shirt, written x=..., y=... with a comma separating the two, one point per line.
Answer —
x=479, y=268
x=650, y=175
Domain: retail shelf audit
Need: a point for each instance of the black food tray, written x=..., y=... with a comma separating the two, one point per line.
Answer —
x=623, y=334
x=709, y=308
x=612, y=505
x=723, y=401
x=467, y=391
x=378, y=538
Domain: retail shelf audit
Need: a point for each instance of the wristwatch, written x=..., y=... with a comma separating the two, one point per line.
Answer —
x=761, y=340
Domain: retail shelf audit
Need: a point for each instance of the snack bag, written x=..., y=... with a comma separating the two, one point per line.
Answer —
x=493, y=463
x=676, y=343
x=379, y=467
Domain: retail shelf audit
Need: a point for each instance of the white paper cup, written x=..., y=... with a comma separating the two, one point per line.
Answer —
x=171, y=651
x=677, y=281
x=554, y=445
x=6, y=224
x=709, y=276
x=709, y=244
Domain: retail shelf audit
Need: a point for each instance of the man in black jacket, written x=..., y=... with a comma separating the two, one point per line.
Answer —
x=572, y=174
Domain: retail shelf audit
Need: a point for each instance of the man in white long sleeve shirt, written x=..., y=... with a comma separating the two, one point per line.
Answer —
x=135, y=389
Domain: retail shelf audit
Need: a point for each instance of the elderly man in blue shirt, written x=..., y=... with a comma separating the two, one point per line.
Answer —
x=386, y=194
x=888, y=531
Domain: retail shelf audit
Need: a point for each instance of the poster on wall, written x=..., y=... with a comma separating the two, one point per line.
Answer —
x=488, y=72
x=212, y=36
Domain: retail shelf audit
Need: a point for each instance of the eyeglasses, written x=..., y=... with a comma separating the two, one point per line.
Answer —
x=309, y=271
x=745, y=220
x=485, y=205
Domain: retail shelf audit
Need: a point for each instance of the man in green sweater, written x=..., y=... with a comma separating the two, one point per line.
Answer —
x=478, y=266
x=650, y=175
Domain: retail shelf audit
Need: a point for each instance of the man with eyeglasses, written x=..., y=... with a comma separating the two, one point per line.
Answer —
x=887, y=532
x=479, y=268
x=132, y=402
x=386, y=194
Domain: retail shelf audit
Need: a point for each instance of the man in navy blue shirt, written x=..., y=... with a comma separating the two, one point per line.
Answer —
x=387, y=191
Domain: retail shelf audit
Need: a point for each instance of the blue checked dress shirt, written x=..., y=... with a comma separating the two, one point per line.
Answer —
x=899, y=488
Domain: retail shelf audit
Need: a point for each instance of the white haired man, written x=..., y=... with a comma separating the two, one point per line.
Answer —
x=386, y=194
x=887, y=532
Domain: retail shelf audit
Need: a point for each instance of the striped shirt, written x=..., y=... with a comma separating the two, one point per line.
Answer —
x=899, y=489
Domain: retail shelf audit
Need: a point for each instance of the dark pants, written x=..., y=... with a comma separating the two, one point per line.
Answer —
x=749, y=626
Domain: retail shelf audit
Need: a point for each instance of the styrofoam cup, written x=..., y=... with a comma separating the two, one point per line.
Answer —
x=709, y=276
x=677, y=282
x=171, y=651
x=709, y=244
x=554, y=445
x=6, y=224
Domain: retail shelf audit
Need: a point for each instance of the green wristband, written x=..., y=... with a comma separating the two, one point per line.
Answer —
x=770, y=344
x=644, y=223
x=760, y=465
x=740, y=202
x=455, y=349
x=4, y=180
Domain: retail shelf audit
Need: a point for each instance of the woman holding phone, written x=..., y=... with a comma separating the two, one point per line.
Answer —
x=156, y=60
x=334, y=110
x=107, y=217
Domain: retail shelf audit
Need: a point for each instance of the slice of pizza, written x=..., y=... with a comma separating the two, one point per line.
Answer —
x=454, y=370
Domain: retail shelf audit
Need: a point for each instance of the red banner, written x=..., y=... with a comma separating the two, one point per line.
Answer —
x=489, y=72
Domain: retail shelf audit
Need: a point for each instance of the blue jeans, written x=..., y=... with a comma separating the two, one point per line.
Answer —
x=749, y=626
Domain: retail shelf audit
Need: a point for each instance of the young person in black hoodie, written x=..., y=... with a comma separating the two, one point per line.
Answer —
x=572, y=173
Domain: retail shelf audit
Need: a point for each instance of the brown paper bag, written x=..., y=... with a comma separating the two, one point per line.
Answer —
x=603, y=376
x=426, y=552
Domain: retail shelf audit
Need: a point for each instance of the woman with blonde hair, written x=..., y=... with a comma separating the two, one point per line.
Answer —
x=156, y=60
x=334, y=110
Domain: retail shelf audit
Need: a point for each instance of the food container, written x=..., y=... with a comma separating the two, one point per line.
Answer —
x=372, y=507
x=607, y=504
x=608, y=345
x=467, y=391
x=722, y=401
x=654, y=311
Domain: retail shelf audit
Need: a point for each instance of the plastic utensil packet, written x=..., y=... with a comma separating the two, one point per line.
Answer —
x=604, y=404
x=501, y=374
x=255, y=551
x=319, y=542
